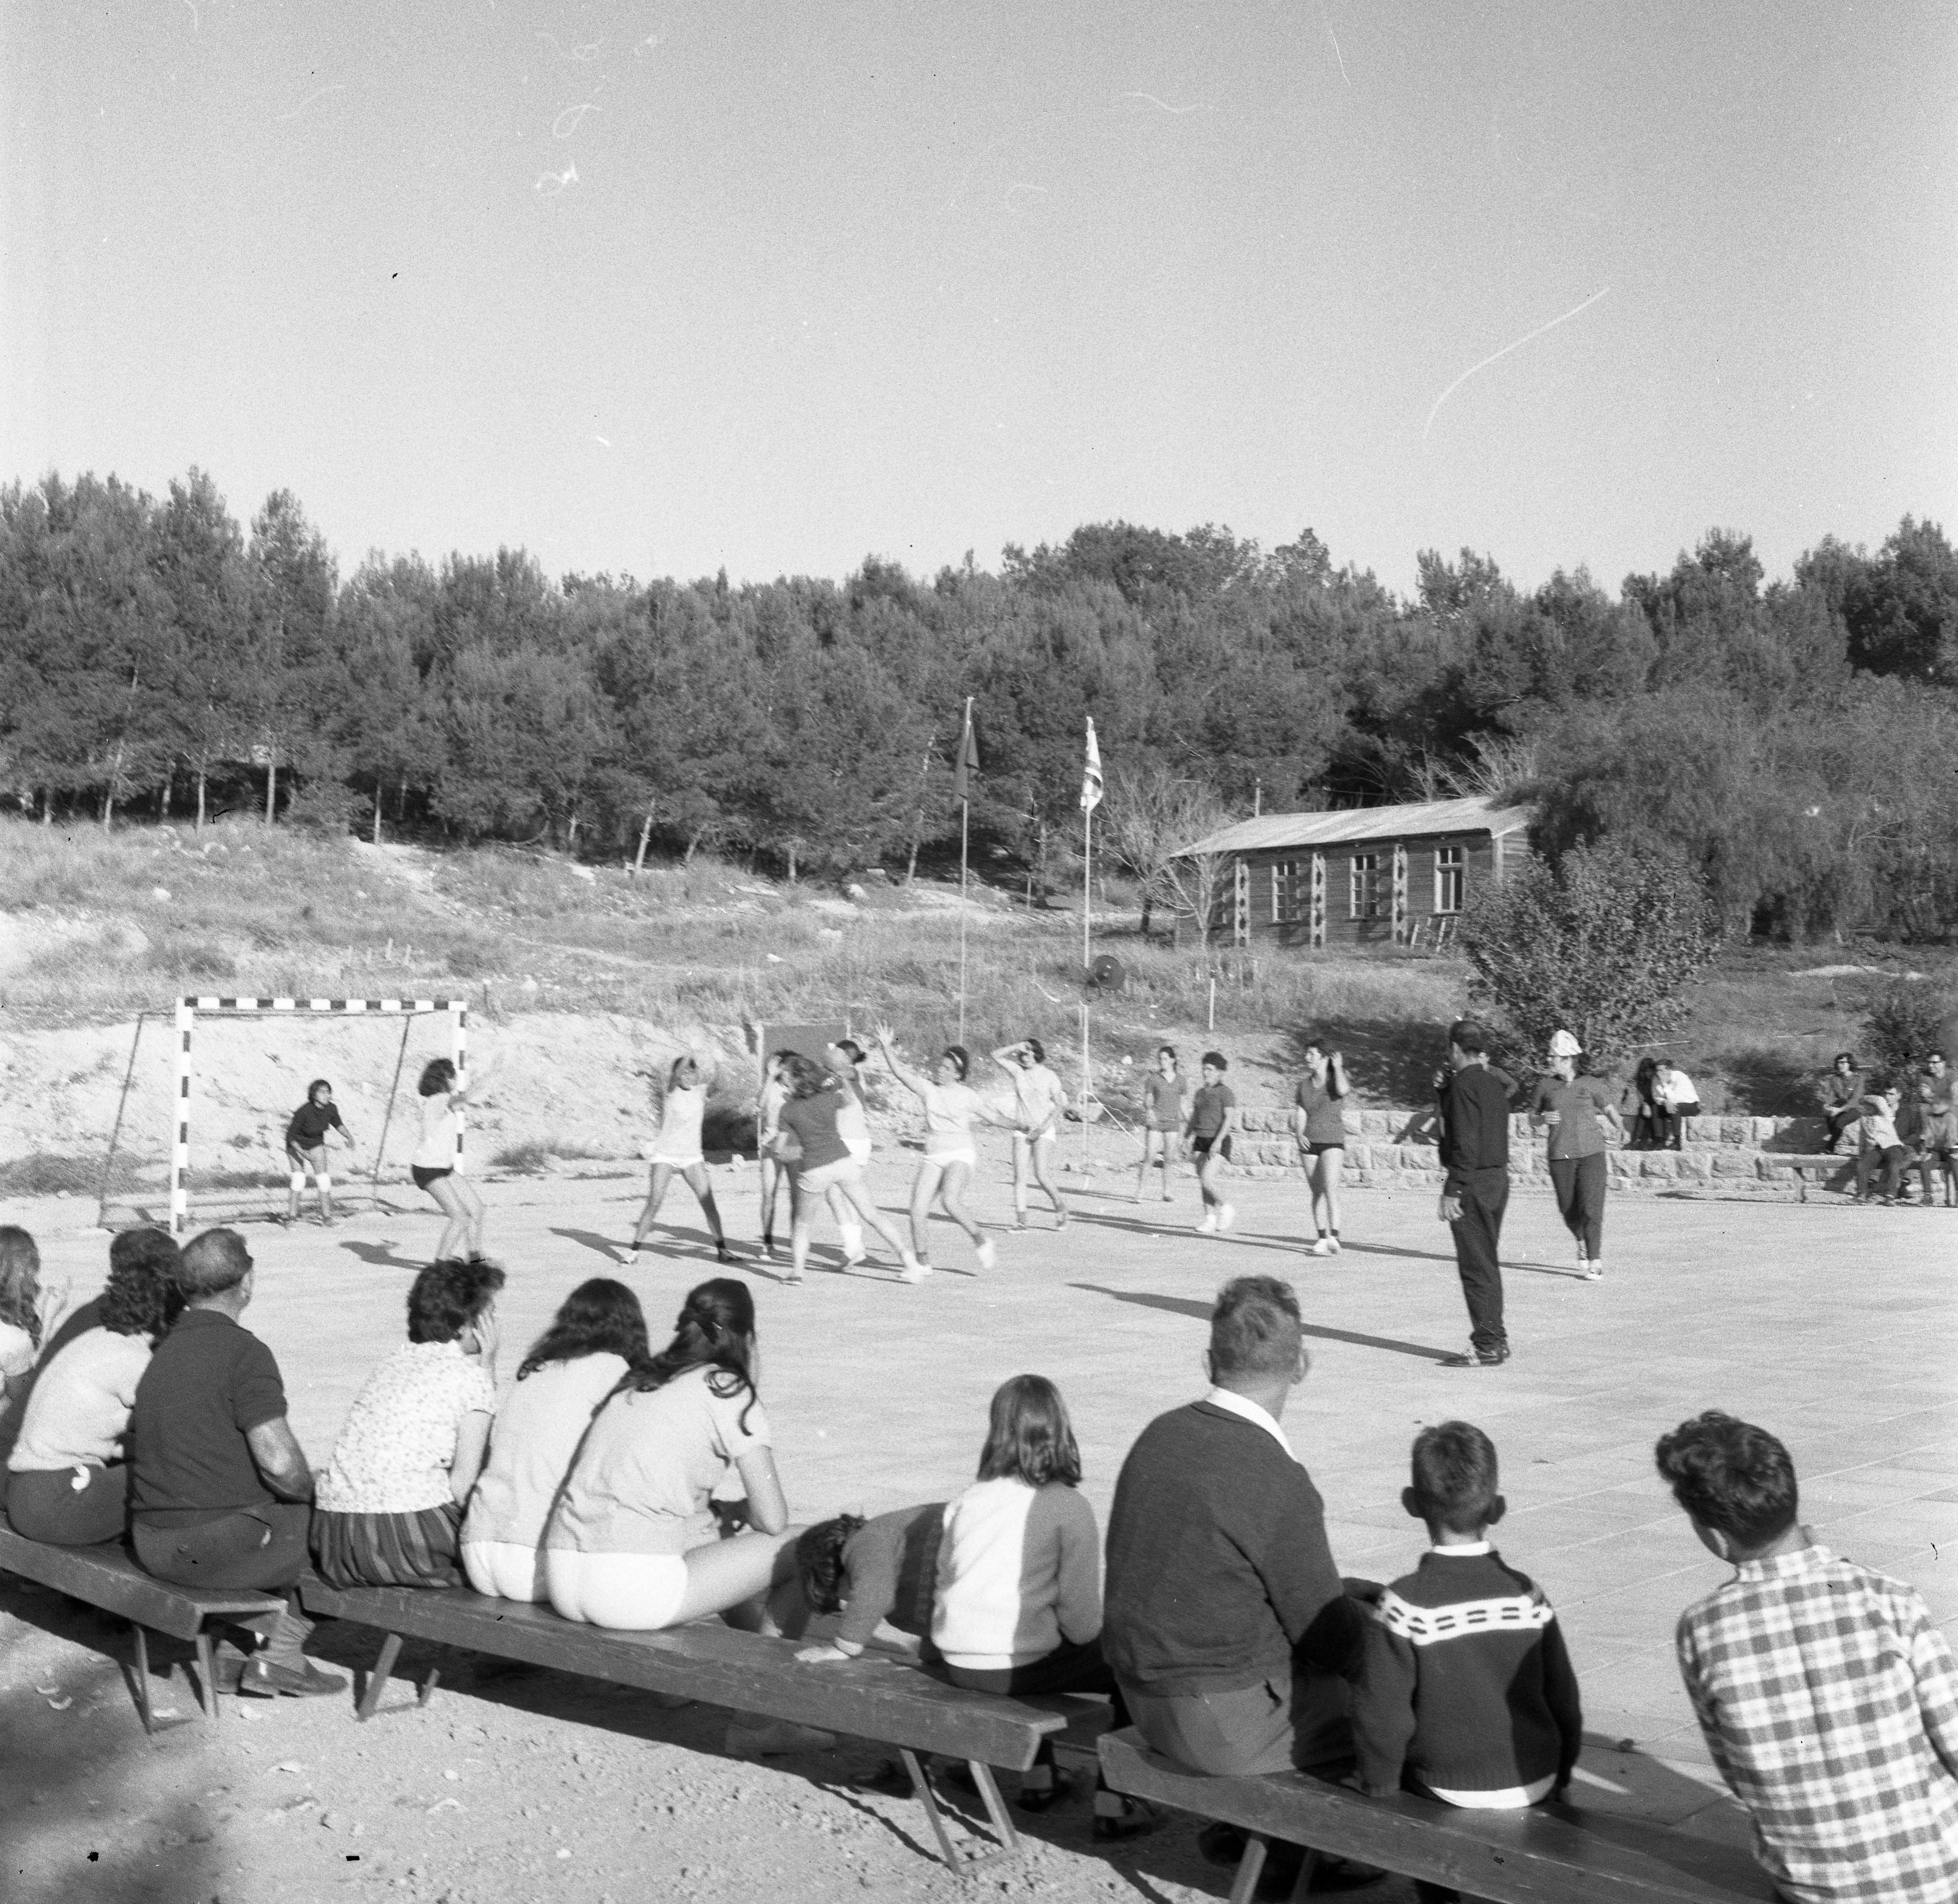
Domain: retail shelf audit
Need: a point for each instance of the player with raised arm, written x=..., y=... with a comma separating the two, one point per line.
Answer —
x=1042, y=1099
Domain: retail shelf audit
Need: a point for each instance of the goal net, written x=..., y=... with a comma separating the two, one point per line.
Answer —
x=240, y=1067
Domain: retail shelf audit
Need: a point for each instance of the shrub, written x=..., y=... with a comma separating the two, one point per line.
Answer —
x=1906, y=1017
x=1604, y=945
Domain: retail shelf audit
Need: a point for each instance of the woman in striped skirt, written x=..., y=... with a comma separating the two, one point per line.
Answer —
x=388, y=1510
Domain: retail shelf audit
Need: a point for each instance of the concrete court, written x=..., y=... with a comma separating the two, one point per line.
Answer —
x=1832, y=1326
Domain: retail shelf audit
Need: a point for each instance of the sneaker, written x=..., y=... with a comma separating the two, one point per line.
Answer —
x=1583, y=1261
x=262, y=1679
x=1207, y=1227
x=1060, y=1219
x=1474, y=1358
x=1226, y=1215
x=1334, y=1240
x=989, y=1255
x=852, y=1260
x=723, y=1254
x=768, y=1738
x=1593, y=1270
x=1117, y=1817
x=794, y=1279
x=913, y=1271
x=1323, y=1247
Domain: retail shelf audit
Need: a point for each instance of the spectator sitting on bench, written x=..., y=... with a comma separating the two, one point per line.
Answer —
x=1842, y=1095
x=1466, y=1693
x=1828, y=1697
x=598, y=1333
x=632, y=1541
x=68, y=1482
x=880, y=1575
x=20, y=1309
x=1018, y=1608
x=1879, y=1148
x=219, y=1486
x=1227, y=1624
x=389, y=1511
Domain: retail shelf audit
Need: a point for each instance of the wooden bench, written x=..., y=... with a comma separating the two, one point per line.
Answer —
x=107, y=1577
x=876, y=1697
x=1558, y=1855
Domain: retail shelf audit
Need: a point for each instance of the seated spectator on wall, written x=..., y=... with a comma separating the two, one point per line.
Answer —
x=1675, y=1099
x=1826, y=1693
x=68, y=1482
x=598, y=1333
x=219, y=1486
x=1841, y=1093
x=389, y=1512
x=1228, y=1625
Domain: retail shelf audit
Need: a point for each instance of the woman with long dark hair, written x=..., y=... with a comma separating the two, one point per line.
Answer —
x=598, y=1333
x=67, y=1482
x=20, y=1306
x=633, y=1542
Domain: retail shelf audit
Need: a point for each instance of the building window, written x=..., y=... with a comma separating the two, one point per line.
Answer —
x=1285, y=893
x=1448, y=878
x=1363, y=895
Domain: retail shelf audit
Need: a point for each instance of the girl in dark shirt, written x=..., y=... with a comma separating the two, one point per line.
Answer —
x=306, y=1134
x=810, y=1113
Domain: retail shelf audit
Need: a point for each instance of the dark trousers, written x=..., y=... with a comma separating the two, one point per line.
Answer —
x=1579, y=1184
x=264, y=1548
x=1479, y=1235
x=45, y=1504
x=1068, y=1668
x=1298, y=1719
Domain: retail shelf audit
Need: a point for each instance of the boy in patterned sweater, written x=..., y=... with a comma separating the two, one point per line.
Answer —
x=1827, y=1695
x=1465, y=1692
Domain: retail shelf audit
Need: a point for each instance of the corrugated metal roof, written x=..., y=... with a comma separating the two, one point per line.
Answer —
x=1422, y=817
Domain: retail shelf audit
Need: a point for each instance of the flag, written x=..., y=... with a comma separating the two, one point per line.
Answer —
x=968, y=759
x=1091, y=778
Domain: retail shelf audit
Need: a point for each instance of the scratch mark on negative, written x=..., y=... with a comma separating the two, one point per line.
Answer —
x=1496, y=355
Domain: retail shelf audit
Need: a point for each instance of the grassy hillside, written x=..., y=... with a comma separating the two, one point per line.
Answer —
x=95, y=927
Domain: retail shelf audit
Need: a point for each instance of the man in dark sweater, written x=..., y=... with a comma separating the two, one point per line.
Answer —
x=1475, y=1153
x=1467, y=1694
x=1225, y=1621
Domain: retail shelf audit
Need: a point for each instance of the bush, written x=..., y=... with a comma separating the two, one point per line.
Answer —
x=1906, y=1018
x=45, y=1174
x=193, y=958
x=1604, y=945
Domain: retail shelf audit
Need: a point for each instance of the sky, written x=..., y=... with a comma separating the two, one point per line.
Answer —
x=772, y=286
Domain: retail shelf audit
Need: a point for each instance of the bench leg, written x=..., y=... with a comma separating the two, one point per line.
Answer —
x=1302, y=1885
x=995, y=1809
x=143, y=1681
x=377, y=1678
x=922, y=1786
x=207, y=1673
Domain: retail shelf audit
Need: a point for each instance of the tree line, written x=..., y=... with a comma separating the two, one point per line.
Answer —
x=1794, y=741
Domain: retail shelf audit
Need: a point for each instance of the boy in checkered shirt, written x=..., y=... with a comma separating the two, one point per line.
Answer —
x=1828, y=1699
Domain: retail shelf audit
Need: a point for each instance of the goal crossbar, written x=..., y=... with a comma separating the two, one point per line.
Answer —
x=189, y=1010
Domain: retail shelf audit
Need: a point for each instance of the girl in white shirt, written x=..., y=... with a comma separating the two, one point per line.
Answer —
x=437, y=1167
x=1018, y=1608
x=677, y=1149
x=950, y=1152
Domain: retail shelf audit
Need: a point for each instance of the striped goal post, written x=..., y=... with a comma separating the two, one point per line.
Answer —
x=189, y=1010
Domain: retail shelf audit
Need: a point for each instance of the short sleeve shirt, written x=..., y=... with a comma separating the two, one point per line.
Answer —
x=210, y=1382
x=680, y=1116
x=394, y=1455
x=1325, y=1122
x=1578, y=1102
x=1207, y=1109
x=538, y=1428
x=436, y=1151
x=812, y=1123
x=1162, y=1100
x=311, y=1123
x=1040, y=1093
x=651, y=1461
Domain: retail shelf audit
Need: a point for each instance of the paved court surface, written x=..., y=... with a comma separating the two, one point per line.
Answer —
x=1832, y=1326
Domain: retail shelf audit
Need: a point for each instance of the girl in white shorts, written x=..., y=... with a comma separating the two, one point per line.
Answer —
x=676, y=1148
x=633, y=1542
x=951, y=1154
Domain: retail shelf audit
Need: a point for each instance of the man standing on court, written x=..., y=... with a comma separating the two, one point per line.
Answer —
x=219, y=1488
x=1224, y=1620
x=1475, y=1152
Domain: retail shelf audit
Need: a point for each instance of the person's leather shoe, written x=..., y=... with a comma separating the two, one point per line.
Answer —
x=1221, y=1844
x=261, y=1679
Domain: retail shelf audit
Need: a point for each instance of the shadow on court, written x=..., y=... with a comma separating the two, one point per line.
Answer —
x=613, y=1252
x=378, y=1255
x=1200, y=1311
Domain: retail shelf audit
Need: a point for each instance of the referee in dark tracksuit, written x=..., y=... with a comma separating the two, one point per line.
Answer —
x=1475, y=1150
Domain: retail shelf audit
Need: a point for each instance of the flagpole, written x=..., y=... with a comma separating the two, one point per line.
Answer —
x=964, y=836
